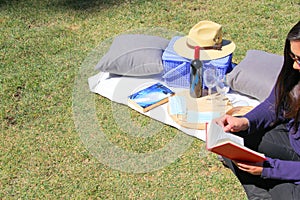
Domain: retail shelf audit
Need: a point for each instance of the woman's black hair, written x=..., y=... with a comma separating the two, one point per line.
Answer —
x=287, y=88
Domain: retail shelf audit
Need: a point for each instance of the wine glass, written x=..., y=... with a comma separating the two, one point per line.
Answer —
x=222, y=87
x=210, y=79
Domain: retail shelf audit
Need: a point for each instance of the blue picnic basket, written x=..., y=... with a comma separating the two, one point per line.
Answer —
x=177, y=69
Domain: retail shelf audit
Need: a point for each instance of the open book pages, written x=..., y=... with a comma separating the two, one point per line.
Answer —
x=217, y=135
x=230, y=145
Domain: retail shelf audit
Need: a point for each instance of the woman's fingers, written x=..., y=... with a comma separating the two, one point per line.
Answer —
x=252, y=168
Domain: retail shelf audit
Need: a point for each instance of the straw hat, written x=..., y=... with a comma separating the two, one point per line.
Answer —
x=207, y=35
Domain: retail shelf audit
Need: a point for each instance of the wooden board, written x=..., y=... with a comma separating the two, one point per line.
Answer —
x=214, y=103
x=239, y=110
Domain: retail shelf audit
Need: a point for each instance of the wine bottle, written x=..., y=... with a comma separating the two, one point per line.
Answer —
x=196, y=80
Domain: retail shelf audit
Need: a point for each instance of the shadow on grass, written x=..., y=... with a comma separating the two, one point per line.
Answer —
x=87, y=4
x=78, y=5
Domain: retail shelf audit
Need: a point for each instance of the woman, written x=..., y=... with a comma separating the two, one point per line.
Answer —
x=273, y=129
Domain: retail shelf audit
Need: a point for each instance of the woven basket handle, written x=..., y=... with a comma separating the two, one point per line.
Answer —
x=173, y=70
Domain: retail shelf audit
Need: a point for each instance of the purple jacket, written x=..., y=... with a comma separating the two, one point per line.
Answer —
x=262, y=117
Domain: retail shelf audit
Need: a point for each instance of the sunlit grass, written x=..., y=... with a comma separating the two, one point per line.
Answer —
x=43, y=44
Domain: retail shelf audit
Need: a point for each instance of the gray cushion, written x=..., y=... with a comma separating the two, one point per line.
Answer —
x=134, y=55
x=256, y=74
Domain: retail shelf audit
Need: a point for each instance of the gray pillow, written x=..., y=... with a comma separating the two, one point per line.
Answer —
x=134, y=55
x=256, y=74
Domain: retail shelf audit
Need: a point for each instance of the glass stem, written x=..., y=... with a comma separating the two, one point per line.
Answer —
x=209, y=91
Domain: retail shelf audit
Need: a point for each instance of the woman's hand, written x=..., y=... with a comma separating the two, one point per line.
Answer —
x=252, y=168
x=232, y=124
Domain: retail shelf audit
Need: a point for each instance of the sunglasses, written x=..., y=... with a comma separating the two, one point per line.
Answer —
x=295, y=58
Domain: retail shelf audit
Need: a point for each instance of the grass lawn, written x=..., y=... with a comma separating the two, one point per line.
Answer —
x=44, y=46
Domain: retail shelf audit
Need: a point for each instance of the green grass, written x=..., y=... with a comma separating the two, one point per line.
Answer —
x=44, y=45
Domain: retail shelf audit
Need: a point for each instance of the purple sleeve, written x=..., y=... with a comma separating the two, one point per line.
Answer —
x=263, y=115
x=281, y=169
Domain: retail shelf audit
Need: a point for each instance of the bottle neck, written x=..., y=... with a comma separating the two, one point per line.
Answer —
x=197, y=53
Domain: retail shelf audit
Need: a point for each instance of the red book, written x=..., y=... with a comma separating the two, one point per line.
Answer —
x=229, y=145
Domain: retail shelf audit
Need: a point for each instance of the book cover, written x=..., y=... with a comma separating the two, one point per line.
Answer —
x=150, y=97
x=229, y=145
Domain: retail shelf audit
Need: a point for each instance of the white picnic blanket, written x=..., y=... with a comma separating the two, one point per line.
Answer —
x=118, y=88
